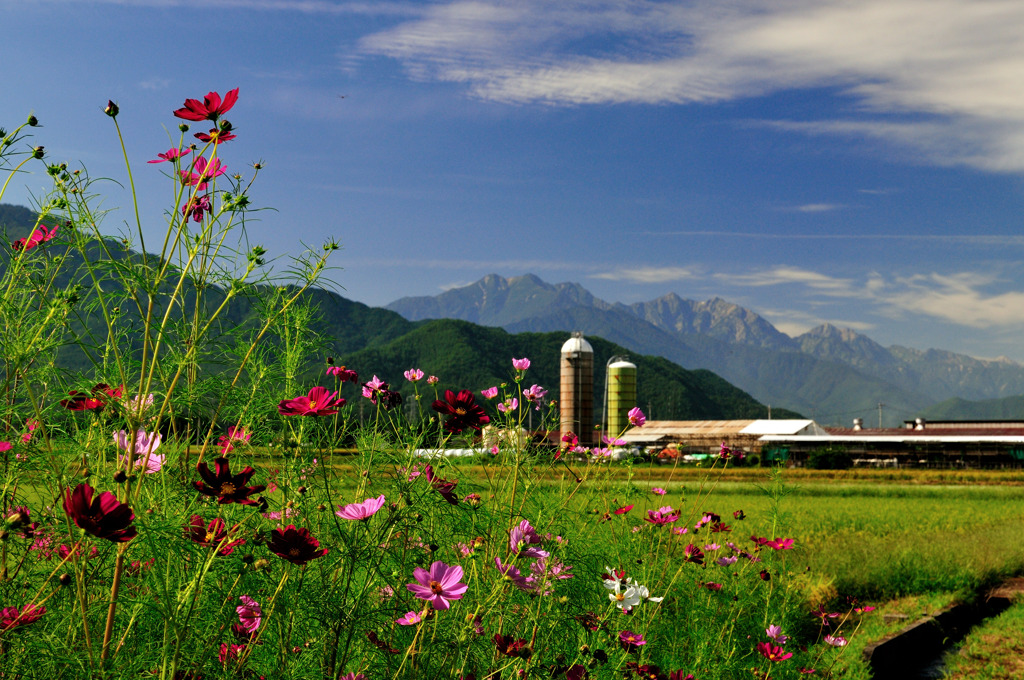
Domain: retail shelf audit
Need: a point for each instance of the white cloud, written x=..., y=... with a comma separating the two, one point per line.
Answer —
x=948, y=70
x=777, y=276
x=818, y=207
x=649, y=274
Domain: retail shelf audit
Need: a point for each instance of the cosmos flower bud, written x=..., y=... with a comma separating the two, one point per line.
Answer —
x=111, y=109
x=33, y=121
x=183, y=127
x=37, y=152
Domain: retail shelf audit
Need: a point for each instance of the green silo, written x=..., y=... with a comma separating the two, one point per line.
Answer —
x=621, y=386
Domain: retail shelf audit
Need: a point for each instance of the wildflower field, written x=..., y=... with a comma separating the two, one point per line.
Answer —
x=173, y=507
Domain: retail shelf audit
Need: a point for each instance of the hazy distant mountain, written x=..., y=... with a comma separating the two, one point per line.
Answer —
x=836, y=373
x=715, y=318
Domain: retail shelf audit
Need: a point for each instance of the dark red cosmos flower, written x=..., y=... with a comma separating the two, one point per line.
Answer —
x=228, y=487
x=103, y=516
x=693, y=554
x=10, y=617
x=319, y=402
x=445, y=487
x=295, y=545
x=510, y=646
x=95, y=400
x=217, y=135
x=462, y=411
x=211, y=108
x=210, y=535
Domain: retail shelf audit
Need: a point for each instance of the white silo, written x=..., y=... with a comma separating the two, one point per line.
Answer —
x=576, y=403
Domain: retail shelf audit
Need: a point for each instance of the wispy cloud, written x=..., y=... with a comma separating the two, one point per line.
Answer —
x=817, y=207
x=649, y=274
x=401, y=9
x=939, y=77
x=1000, y=240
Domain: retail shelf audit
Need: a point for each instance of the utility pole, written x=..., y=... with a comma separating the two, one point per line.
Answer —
x=880, y=405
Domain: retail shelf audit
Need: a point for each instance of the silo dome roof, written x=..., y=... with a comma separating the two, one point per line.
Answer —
x=622, y=363
x=576, y=344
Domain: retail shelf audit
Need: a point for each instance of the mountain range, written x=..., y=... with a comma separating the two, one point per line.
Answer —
x=828, y=373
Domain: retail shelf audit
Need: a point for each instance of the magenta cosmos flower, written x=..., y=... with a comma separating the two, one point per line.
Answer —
x=11, y=617
x=520, y=364
x=250, y=614
x=636, y=417
x=490, y=392
x=295, y=545
x=41, y=234
x=630, y=641
x=414, y=375
x=202, y=172
x=360, y=511
x=103, y=516
x=171, y=155
x=235, y=434
x=662, y=516
x=343, y=374
x=772, y=652
x=319, y=402
x=211, y=108
x=227, y=487
x=438, y=585
x=462, y=411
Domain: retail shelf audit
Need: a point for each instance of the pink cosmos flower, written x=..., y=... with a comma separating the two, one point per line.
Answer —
x=521, y=537
x=171, y=155
x=202, y=172
x=534, y=395
x=490, y=392
x=145, y=445
x=835, y=640
x=249, y=614
x=508, y=405
x=438, y=585
x=410, y=619
x=319, y=402
x=775, y=633
x=613, y=441
x=781, y=544
x=520, y=364
x=372, y=387
x=361, y=511
x=636, y=417
x=510, y=572
x=433, y=380
x=414, y=375
x=658, y=490
x=6, y=446
x=662, y=516
x=211, y=108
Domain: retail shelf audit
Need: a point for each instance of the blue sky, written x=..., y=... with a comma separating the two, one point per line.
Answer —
x=853, y=162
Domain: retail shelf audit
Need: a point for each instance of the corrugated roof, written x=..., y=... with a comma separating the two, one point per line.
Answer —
x=759, y=427
x=658, y=430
